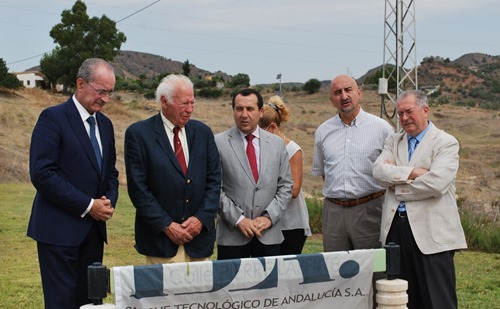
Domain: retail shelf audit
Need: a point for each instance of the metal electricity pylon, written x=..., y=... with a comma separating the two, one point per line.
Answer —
x=399, y=71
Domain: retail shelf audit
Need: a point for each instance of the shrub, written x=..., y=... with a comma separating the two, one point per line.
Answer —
x=210, y=93
x=315, y=208
x=312, y=85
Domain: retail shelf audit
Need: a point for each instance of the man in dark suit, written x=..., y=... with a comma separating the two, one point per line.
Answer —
x=77, y=186
x=173, y=177
x=254, y=194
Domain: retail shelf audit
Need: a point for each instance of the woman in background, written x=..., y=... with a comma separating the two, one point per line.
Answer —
x=296, y=217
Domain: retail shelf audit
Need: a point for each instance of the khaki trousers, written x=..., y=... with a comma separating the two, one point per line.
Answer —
x=180, y=257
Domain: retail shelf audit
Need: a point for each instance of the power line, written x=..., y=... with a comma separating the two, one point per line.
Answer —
x=126, y=17
x=14, y=62
x=138, y=11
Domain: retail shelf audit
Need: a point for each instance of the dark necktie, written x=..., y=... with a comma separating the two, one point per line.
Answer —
x=179, y=153
x=252, y=159
x=93, y=140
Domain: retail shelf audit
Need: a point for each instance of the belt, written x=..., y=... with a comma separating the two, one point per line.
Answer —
x=356, y=201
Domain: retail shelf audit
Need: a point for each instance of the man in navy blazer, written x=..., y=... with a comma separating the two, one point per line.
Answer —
x=76, y=190
x=175, y=210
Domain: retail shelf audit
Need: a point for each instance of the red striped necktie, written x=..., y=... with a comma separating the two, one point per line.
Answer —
x=179, y=153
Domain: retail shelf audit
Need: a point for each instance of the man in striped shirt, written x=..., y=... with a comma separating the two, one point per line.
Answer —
x=345, y=148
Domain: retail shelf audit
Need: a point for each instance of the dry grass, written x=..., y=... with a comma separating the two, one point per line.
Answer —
x=477, y=130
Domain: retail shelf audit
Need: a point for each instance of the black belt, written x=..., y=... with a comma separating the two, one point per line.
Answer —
x=401, y=214
x=356, y=201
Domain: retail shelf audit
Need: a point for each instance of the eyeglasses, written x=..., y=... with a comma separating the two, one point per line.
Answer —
x=408, y=112
x=102, y=92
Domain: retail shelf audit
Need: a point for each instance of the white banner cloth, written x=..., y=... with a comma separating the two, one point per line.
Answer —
x=322, y=280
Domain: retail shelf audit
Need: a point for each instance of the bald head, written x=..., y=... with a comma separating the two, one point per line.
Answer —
x=345, y=96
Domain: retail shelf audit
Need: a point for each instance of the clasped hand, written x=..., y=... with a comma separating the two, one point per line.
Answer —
x=255, y=227
x=184, y=232
x=101, y=209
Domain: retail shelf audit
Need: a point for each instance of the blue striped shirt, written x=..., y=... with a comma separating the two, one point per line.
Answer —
x=345, y=154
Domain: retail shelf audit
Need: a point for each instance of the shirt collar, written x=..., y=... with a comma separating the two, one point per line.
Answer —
x=355, y=122
x=168, y=124
x=421, y=135
x=255, y=133
x=81, y=110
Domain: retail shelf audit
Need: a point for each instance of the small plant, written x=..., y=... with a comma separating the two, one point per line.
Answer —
x=315, y=208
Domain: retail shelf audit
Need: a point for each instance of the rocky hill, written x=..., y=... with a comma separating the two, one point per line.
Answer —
x=130, y=64
x=471, y=80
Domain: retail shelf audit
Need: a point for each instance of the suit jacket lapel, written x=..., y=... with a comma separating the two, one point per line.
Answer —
x=76, y=123
x=402, y=150
x=105, y=140
x=424, y=143
x=264, y=145
x=190, y=136
x=237, y=145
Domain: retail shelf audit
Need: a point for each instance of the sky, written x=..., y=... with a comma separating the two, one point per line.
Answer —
x=262, y=38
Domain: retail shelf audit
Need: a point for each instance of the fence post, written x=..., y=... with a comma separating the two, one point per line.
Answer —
x=391, y=292
x=98, y=286
x=392, y=260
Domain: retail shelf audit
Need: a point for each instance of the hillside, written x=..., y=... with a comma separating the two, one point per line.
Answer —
x=471, y=80
x=130, y=64
x=476, y=129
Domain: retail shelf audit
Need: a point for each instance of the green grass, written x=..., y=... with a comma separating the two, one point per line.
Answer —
x=478, y=274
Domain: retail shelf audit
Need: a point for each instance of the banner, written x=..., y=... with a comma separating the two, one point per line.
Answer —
x=322, y=280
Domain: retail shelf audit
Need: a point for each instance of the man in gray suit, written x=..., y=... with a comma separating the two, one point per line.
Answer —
x=256, y=183
x=420, y=212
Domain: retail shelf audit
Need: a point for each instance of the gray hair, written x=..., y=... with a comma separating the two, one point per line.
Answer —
x=89, y=67
x=420, y=97
x=169, y=84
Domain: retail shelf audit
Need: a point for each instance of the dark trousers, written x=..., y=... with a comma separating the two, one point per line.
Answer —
x=431, y=277
x=253, y=249
x=293, y=243
x=64, y=271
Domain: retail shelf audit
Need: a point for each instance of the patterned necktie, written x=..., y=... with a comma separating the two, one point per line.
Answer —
x=252, y=159
x=93, y=140
x=179, y=153
x=412, y=144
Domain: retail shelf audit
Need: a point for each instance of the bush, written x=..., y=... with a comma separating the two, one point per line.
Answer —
x=210, y=93
x=312, y=85
x=10, y=81
x=480, y=233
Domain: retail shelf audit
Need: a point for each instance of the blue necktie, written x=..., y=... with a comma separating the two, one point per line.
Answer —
x=93, y=140
x=412, y=144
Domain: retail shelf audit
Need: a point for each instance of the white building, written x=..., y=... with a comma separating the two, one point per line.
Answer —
x=30, y=79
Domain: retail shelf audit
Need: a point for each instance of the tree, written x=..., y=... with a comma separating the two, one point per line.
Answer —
x=312, y=85
x=79, y=37
x=7, y=79
x=240, y=80
x=186, y=68
x=54, y=70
